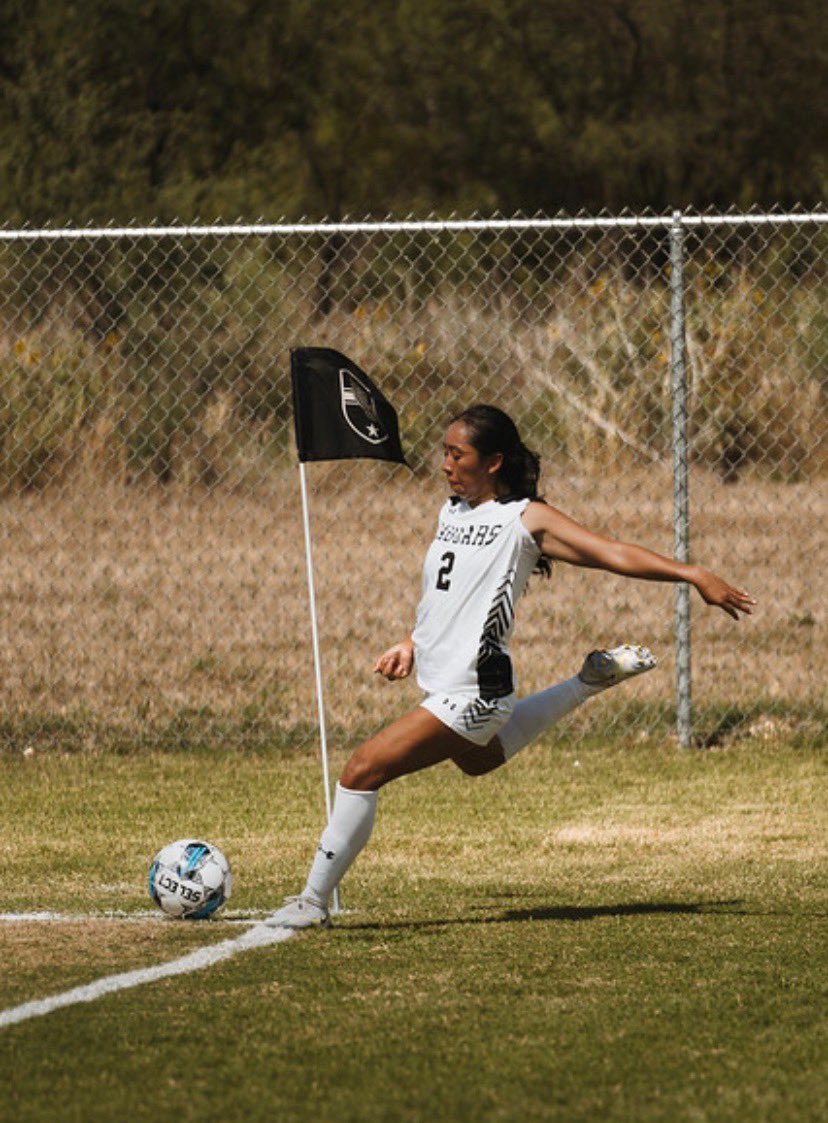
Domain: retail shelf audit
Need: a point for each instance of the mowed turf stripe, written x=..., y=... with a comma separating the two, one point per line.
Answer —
x=256, y=937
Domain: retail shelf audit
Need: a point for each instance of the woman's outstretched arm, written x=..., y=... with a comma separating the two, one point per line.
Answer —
x=560, y=538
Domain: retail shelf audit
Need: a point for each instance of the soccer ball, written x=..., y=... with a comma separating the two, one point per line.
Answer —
x=189, y=879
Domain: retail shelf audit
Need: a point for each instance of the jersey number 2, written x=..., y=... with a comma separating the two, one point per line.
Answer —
x=445, y=569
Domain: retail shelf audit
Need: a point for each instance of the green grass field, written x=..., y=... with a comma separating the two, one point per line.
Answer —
x=623, y=932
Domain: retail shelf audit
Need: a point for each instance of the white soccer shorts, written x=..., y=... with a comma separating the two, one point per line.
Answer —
x=475, y=719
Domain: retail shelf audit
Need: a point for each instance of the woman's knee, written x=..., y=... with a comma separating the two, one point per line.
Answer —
x=361, y=773
x=479, y=761
x=469, y=766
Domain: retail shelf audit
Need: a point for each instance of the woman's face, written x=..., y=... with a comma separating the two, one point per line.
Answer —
x=469, y=475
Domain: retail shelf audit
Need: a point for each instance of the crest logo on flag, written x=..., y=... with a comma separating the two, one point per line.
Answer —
x=338, y=412
x=359, y=408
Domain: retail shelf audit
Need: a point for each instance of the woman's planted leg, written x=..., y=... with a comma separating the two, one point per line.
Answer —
x=413, y=742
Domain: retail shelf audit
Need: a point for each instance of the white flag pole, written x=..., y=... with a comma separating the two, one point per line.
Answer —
x=317, y=662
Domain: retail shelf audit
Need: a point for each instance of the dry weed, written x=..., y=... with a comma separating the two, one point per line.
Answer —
x=131, y=609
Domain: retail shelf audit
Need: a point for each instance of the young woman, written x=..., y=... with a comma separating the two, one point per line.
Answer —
x=492, y=533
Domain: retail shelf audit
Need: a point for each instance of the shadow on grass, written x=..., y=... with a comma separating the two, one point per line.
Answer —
x=559, y=913
x=634, y=908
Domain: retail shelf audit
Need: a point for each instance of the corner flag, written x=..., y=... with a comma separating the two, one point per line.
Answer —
x=338, y=413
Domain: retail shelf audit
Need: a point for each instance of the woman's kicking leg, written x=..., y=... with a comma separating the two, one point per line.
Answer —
x=538, y=712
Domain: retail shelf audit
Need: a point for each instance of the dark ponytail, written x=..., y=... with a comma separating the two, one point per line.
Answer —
x=491, y=430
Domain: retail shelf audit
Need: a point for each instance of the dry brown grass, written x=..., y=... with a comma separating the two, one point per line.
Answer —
x=130, y=609
x=54, y=956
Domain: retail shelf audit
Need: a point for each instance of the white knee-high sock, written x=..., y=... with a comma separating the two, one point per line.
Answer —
x=537, y=712
x=350, y=826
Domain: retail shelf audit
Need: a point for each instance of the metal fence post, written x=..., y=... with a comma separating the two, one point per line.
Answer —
x=681, y=504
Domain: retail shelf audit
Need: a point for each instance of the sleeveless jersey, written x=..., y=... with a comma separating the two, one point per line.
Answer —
x=475, y=570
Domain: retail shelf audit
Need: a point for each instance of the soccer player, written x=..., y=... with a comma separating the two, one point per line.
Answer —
x=492, y=533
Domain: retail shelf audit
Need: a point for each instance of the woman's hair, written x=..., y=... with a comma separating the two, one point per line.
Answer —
x=491, y=430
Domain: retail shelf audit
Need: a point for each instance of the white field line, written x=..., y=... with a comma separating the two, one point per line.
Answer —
x=141, y=915
x=257, y=936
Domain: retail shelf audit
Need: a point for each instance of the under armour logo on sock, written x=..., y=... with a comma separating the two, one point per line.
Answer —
x=329, y=854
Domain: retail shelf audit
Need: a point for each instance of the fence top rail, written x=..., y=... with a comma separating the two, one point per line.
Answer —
x=428, y=226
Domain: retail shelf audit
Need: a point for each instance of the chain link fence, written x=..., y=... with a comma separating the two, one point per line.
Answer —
x=152, y=572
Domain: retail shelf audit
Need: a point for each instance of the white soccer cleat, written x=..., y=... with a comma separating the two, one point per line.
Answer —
x=607, y=668
x=299, y=912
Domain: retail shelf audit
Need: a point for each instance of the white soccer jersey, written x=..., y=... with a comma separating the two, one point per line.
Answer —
x=475, y=570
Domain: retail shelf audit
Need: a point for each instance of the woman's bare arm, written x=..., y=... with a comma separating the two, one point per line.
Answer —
x=560, y=538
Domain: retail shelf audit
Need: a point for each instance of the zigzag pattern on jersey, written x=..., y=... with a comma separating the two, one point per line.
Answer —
x=494, y=667
x=477, y=713
x=502, y=612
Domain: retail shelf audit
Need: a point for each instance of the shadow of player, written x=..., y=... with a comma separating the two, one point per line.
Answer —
x=556, y=913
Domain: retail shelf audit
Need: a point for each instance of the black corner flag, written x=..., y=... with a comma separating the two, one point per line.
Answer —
x=338, y=412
